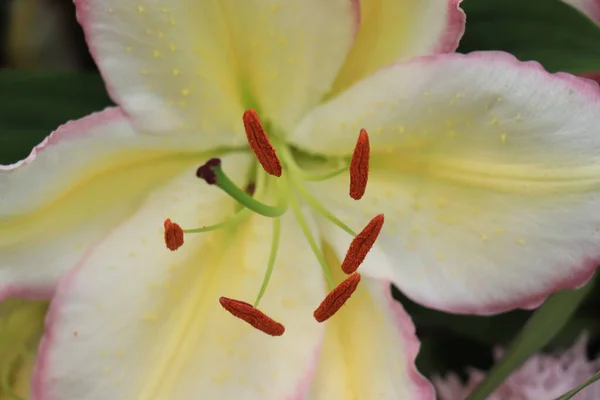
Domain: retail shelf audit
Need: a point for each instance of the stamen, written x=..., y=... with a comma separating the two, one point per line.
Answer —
x=259, y=143
x=311, y=240
x=324, y=176
x=253, y=316
x=239, y=216
x=361, y=245
x=336, y=298
x=173, y=235
x=272, y=258
x=359, y=166
x=213, y=174
x=310, y=199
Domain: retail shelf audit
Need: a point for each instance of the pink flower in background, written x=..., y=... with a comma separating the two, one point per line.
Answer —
x=542, y=377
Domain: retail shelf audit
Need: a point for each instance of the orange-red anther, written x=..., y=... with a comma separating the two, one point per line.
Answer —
x=173, y=235
x=253, y=316
x=361, y=245
x=336, y=298
x=259, y=143
x=359, y=166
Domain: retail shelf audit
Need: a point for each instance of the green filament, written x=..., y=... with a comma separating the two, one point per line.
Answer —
x=314, y=203
x=321, y=209
x=324, y=176
x=227, y=185
x=238, y=217
x=311, y=241
x=272, y=258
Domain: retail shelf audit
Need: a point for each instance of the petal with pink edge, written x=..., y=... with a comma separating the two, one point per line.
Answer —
x=591, y=8
x=488, y=173
x=168, y=64
x=137, y=321
x=394, y=30
x=370, y=350
x=74, y=187
x=193, y=66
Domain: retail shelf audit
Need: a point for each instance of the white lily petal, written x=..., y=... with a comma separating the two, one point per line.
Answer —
x=487, y=171
x=289, y=52
x=169, y=65
x=370, y=350
x=395, y=30
x=193, y=66
x=74, y=187
x=161, y=333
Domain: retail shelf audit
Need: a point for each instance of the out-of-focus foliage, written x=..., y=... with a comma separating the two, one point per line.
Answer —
x=37, y=34
x=548, y=31
x=539, y=330
x=33, y=104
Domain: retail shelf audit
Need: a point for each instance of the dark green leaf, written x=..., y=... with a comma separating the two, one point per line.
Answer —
x=33, y=104
x=569, y=395
x=548, y=31
x=543, y=325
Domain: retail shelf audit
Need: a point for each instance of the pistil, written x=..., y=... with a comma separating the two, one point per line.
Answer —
x=213, y=174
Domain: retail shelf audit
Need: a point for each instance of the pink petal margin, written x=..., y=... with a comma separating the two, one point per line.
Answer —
x=455, y=28
x=41, y=374
x=304, y=384
x=595, y=76
x=70, y=130
x=84, y=17
x=66, y=131
x=575, y=281
x=423, y=389
x=42, y=371
x=591, y=8
x=586, y=269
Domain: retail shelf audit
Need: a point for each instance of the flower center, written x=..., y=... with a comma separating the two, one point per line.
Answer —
x=290, y=180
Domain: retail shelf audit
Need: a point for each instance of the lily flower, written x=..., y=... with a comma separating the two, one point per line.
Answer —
x=485, y=168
